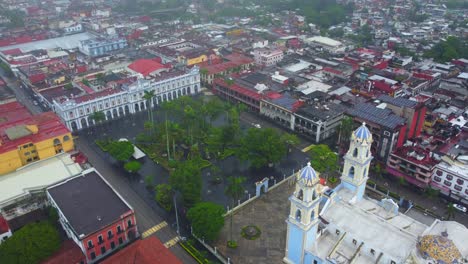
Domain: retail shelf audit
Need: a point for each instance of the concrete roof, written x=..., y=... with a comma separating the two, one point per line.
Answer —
x=88, y=209
x=366, y=221
x=66, y=42
x=36, y=176
x=325, y=41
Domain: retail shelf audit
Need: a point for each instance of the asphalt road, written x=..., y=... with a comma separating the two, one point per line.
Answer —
x=146, y=216
x=21, y=94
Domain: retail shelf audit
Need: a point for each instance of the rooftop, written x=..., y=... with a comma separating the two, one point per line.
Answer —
x=24, y=180
x=69, y=252
x=321, y=112
x=146, y=251
x=66, y=42
x=88, y=209
x=380, y=229
x=18, y=126
x=398, y=101
x=416, y=155
x=370, y=113
x=146, y=66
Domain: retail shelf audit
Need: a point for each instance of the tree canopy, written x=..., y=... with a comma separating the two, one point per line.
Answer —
x=262, y=146
x=31, y=244
x=164, y=196
x=207, y=220
x=121, y=150
x=445, y=51
x=186, y=178
x=322, y=159
x=132, y=166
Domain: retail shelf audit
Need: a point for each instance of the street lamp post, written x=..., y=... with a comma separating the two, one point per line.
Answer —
x=176, y=214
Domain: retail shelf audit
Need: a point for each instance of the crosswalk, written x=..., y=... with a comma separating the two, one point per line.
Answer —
x=172, y=242
x=154, y=229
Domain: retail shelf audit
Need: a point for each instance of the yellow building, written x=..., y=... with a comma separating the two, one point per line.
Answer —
x=25, y=138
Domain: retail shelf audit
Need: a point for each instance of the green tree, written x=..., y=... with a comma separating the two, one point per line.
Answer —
x=186, y=178
x=346, y=129
x=262, y=147
x=207, y=220
x=290, y=140
x=322, y=159
x=121, y=150
x=164, y=196
x=149, y=181
x=148, y=96
x=203, y=71
x=68, y=86
x=97, y=116
x=445, y=51
x=234, y=190
x=132, y=166
x=336, y=33
x=31, y=244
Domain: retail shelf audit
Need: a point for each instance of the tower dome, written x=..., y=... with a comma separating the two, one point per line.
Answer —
x=308, y=176
x=439, y=248
x=362, y=133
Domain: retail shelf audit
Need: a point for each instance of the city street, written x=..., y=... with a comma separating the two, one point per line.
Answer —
x=146, y=215
x=22, y=96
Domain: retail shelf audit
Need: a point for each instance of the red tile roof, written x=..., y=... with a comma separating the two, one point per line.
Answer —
x=3, y=225
x=12, y=52
x=89, y=97
x=238, y=58
x=145, y=66
x=146, y=251
x=68, y=253
x=14, y=114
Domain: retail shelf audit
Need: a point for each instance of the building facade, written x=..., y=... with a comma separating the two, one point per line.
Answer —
x=96, y=218
x=413, y=164
x=318, y=122
x=268, y=57
x=27, y=138
x=98, y=47
x=114, y=103
x=450, y=177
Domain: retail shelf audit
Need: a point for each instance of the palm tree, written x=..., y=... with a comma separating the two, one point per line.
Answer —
x=346, y=128
x=97, y=116
x=148, y=96
x=234, y=190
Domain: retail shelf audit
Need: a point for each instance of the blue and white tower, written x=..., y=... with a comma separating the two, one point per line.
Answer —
x=303, y=218
x=357, y=161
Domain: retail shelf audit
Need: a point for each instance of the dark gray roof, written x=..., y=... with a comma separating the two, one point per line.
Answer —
x=286, y=101
x=402, y=102
x=383, y=117
x=88, y=203
x=320, y=112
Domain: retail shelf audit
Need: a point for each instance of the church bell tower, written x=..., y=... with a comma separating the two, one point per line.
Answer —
x=357, y=161
x=303, y=217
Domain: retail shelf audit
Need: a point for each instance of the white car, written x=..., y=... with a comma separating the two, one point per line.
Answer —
x=257, y=125
x=460, y=207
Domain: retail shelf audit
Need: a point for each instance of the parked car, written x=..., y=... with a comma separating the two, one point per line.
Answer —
x=460, y=207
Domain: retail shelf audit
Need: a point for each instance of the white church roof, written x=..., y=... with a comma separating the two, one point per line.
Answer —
x=366, y=222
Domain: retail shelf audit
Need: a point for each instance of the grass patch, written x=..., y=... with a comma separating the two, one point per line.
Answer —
x=199, y=256
x=232, y=244
x=251, y=232
x=227, y=153
x=103, y=144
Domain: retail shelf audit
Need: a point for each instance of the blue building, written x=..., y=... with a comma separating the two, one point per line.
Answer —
x=342, y=225
x=101, y=46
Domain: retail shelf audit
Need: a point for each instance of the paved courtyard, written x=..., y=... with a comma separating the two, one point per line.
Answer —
x=269, y=213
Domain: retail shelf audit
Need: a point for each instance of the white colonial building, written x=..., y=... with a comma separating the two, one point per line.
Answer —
x=116, y=102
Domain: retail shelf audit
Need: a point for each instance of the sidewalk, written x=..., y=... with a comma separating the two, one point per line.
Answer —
x=434, y=204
